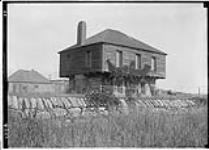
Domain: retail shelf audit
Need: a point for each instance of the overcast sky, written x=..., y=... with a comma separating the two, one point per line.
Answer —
x=38, y=31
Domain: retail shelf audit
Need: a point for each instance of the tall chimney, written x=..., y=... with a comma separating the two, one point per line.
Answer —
x=81, y=33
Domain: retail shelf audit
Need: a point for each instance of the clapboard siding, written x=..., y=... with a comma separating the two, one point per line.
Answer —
x=109, y=52
x=74, y=61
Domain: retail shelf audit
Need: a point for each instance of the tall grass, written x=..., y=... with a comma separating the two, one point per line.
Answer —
x=140, y=128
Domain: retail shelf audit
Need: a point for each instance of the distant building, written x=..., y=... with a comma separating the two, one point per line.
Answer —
x=86, y=63
x=24, y=81
x=60, y=86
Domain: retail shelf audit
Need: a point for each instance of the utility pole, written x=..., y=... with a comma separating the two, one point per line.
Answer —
x=199, y=91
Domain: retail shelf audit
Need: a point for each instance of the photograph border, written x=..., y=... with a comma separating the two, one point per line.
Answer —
x=5, y=12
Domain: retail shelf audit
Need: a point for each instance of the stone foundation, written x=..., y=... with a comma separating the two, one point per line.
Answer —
x=82, y=84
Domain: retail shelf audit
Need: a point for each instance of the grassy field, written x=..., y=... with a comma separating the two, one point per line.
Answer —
x=140, y=128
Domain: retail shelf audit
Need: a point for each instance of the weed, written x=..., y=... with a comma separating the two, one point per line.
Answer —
x=140, y=128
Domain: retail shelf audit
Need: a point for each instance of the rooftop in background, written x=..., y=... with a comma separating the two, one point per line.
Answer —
x=118, y=38
x=31, y=76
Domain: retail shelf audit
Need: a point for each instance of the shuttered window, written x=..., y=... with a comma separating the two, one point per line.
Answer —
x=138, y=61
x=119, y=58
x=153, y=64
x=88, y=59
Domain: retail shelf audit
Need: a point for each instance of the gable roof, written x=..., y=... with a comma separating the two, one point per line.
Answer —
x=118, y=38
x=28, y=76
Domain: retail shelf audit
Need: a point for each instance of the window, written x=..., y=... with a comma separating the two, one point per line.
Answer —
x=24, y=87
x=14, y=88
x=138, y=61
x=153, y=64
x=36, y=86
x=88, y=59
x=119, y=58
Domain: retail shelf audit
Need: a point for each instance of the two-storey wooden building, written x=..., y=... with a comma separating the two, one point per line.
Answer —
x=86, y=63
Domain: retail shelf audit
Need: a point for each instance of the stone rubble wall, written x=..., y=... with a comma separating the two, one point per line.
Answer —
x=45, y=107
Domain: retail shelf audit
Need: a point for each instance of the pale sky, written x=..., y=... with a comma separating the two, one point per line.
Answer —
x=38, y=31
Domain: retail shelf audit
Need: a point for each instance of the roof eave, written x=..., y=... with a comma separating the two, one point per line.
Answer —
x=159, y=52
x=32, y=82
x=79, y=46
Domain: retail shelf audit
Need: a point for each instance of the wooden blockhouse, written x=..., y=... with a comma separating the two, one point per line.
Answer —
x=86, y=63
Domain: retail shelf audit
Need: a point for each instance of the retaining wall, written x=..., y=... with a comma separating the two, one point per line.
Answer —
x=55, y=106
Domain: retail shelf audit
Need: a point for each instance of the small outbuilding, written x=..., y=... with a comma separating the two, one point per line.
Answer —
x=24, y=82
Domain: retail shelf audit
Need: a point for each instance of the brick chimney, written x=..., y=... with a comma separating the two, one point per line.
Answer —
x=81, y=33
